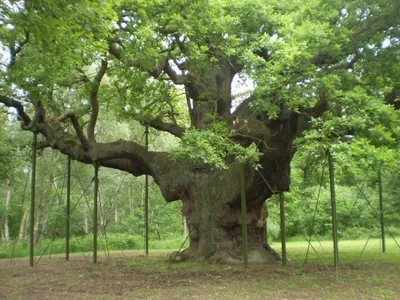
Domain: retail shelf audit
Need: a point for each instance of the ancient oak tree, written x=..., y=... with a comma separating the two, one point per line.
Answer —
x=175, y=66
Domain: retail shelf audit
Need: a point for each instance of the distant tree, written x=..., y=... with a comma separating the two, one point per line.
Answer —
x=12, y=159
x=328, y=66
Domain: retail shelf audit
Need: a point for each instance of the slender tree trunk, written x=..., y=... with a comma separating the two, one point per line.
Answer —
x=59, y=199
x=27, y=225
x=2, y=234
x=43, y=205
x=23, y=227
x=6, y=213
x=38, y=228
x=86, y=215
x=131, y=202
x=185, y=228
x=45, y=221
x=103, y=222
x=157, y=228
x=116, y=217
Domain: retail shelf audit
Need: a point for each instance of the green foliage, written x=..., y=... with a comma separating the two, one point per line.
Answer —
x=214, y=147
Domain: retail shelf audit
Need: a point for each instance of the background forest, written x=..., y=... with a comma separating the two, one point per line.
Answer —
x=121, y=216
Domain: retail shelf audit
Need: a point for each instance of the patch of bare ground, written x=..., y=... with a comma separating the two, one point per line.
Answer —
x=135, y=276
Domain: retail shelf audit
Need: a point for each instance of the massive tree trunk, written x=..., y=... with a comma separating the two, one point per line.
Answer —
x=211, y=204
x=211, y=199
x=214, y=219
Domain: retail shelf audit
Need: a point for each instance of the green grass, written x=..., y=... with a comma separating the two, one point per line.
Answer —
x=349, y=251
x=173, y=243
x=84, y=245
x=373, y=275
x=48, y=246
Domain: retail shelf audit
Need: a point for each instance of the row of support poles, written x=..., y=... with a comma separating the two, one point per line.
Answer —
x=381, y=212
x=333, y=205
x=96, y=189
x=95, y=206
x=334, y=223
x=243, y=206
x=146, y=199
x=32, y=208
x=244, y=215
x=282, y=217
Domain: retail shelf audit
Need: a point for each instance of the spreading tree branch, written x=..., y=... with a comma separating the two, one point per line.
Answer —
x=189, y=106
x=112, y=48
x=37, y=118
x=27, y=122
x=177, y=79
x=94, y=101
x=77, y=127
x=393, y=98
x=15, y=49
x=24, y=117
x=31, y=124
x=158, y=124
x=123, y=155
x=162, y=65
x=365, y=30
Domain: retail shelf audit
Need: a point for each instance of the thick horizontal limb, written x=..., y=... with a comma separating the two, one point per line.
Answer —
x=173, y=129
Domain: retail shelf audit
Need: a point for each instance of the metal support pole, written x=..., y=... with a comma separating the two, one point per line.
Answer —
x=68, y=208
x=333, y=204
x=146, y=199
x=381, y=212
x=244, y=216
x=266, y=229
x=96, y=189
x=283, y=227
x=32, y=208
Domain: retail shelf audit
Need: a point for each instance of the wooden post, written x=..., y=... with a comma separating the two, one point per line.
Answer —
x=244, y=216
x=334, y=223
x=146, y=199
x=283, y=227
x=96, y=189
x=32, y=209
x=68, y=208
x=381, y=212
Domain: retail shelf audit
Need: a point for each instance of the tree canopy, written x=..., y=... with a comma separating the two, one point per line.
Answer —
x=312, y=57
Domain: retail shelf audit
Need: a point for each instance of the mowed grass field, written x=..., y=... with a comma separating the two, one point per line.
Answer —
x=133, y=275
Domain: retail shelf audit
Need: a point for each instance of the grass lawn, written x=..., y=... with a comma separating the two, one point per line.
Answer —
x=132, y=275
